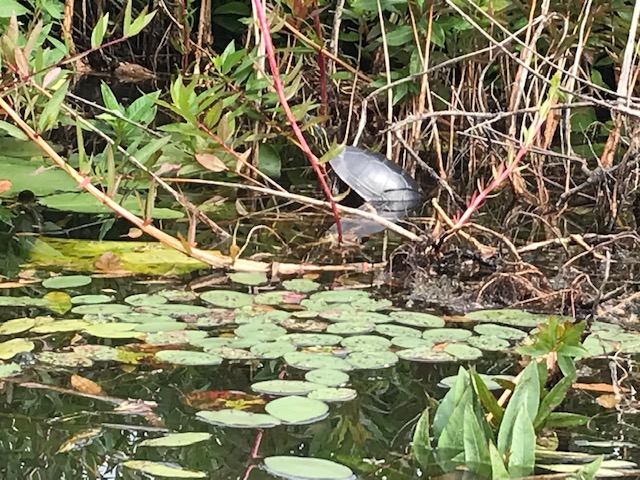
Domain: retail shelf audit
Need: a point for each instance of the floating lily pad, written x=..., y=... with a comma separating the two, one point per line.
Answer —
x=445, y=335
x=327, y=376
x=145, y=300
x=518, y=318
x=59, y=326
x=285, y=387
x=372, y=359
x=301, y=285
x=296, y=410
x=176, y=440
x=176, y=337
x=371, y=304
x=230, y=353
x=64, y=359
x=271, y=350
x=366, y=343
x=69, y=281
x=101, y=309
x=9, y=370
x=391, y=330
x=463, y=352
x=238, y=419
x=303, y=325
x=339, y=296
x=216, y=317
x=489, y=381
x=244, y=342
x=183, y=296
x=426, y=355
x=417, y=319
x=271, y=298
x=17, y=325
x=488, y=343
x=23, y=302
x=113, y=330
x=411, y=342
x=161, y=469
x=349, y=315
x=102, y=353
x=499, y=331
x=186, y=357
x=12, y=347
x=248, y=278
x=331, y=394
x=227, y=298
x=350, y=328
x=91, y=299
x=174, y=310
x=210, y=342
x=311, y=339
x=303, y=468
x=313, y=361
x=264, y=316
x=263, y=332
x=135, y=317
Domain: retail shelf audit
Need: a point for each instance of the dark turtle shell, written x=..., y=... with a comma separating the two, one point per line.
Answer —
x=377, y=180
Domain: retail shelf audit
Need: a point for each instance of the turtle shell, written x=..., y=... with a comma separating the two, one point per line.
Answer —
x=377, y=180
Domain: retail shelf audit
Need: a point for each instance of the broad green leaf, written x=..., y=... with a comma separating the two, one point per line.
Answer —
x=523, y=445
x=450, y=443
x=498, y=471
x=49, y=116
x=449, y=402
x=99, y=30
x=554, y=398
x=421, y=445
x=527, y=394
x=486, y=397
x=588, y=471
x=142, y=21
x=564, y=419
x=476, y=450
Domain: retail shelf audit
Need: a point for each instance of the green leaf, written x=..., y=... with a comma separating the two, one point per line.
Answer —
x=269, y=161
x=498, y=472
x=126, y=25
x=526, y=394
x=449, y=402
x=588, y=471
x=109, y=99
x=142, y=21
x=486, y=397
x=400, y=35
x=523, y=445
x=100, y=29
x=421, y=444
x=152, y=147
x=49, y=116
x=450, y=446
x=13, y=131
x=8, y=8
x=564, y=419
x=476, y=451
x=552, y=400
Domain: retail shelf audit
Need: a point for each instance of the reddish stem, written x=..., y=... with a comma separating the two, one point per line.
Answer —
x=322, y=62
x=277, y=83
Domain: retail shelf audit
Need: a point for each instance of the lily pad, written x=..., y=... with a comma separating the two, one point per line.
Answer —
x=161, y=469
x=446, y=335
x=285, y=387
x=151, y=327
x=425, y=355
x=349, y=315
x=304, y=468
x=331, y=394
x=271, y=350
x=263, y=332
x=238, y=419
x=11, y=348
x=69, y=281
x=339, y=296
x=113, y=330
x=17, y=325
x=295, y=410
x=489, y=381
x=366, y=343
x=9, y=370
x=145, y=300
x=227, y=298
x=313, y=361
x=372, y=359
x=230, y=353
x=311, y=339
x=186, y=357
x=463, y=352
x=391, y=330
x=176, y=337
x=59, y=326
x=488, y=343
x=101, y=309
x=91, y=299
x=65, y=359
x=176, y=440
x=499, y=331
x=327, y=376
x=247, y=278
x=518, y=318
x=411, y=342
x=351, y=328
x=301, y=285
x=417, y=319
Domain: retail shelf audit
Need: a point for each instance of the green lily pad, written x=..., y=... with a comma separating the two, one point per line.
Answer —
x=366, y=343
x=339, y=296
x=150, y=327
x=59, y=326
x=327, y=376
x=263, y=332
x=313, y=361
x=311, y=339
x=11, y=348
x=180, y=296
x=161, y=469
x=64, y=359
x=210, y=342
x=372, y=359
x=331, y=394
x=175, y=310
x=186, y=357
x=446, y=335
x=518, y=318
x=230, y=353
x=247, y=278
x=350, y=328
x=176, y=337
x=462, y=351
x=391, y=330
x=424, y=355
x=301, y=285
x=285, y=387
x=69, y=281
x=499, y=331
x=352, y=316
x=91, y=299
x=176, y=440
x=417, y=319
x=113, y=330
x=303, y=468
x=295, y=410
x=101, y=309
x=216, y=317
x=238, y=419
x=488, y=343
x=411, y=342
x=271, y=350
x=145, y=300
x=227, y=298
x=17, y=325
x=489, y=381
x=265, y=316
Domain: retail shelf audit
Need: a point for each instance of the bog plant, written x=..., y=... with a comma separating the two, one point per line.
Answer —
x=469, y=429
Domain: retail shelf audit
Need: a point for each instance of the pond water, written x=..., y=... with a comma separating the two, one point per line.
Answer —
x=93, y=372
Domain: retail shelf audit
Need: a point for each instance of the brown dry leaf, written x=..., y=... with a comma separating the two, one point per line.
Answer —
x=85, y=385
x=108, y=262
x=211, y=162
x=134, y=233
x=607, y=401
x=5, y=185
x=80, y=440
x=597, y=387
